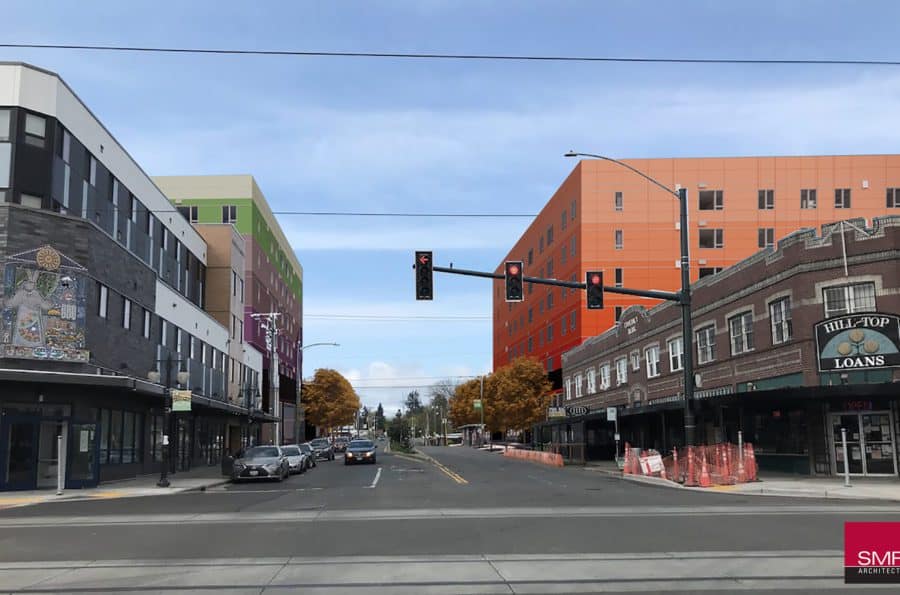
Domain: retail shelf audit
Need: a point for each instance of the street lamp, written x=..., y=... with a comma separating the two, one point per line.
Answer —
x=684, y=298
x=182, y=378
x=300, y=428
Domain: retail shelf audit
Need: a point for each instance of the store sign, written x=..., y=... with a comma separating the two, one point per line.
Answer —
x=576, y=410
x=714, y=392
x=610, y=414
x=555, y=412
x=858, y=342
x=476, y=403
x=181, y=400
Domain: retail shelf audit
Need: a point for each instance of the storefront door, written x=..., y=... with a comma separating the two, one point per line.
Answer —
x=19, y=452
x=83, y=469
x=870, y=443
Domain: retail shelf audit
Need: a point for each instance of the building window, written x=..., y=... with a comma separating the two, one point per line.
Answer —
x=572, y=321
x=120, y=436
x=604, y=377
x=146, y=324
x=4, y=126
x=242, y=290
x=126, y=313
x=564, y=220
x=530, y=256
x=541, y=245
x=530, y=344
x=618, y=311
x=229, y=214
x=893, y=198
x=635, y=361
x=621, y=371
x=35, y=130
x=766, y=200
x=849, y=299
x=564, y=253
x=578, y=389
x=619, y=275
x=711, y=200
x=568, y=389
x=808, y=198
x=30, y=200
x=549, y=235
x=780, y=315
x=706, y=345
x=651, y=355
x=550, y=268
x=842, y=198
x=163, y=333
x=189, y=213
x=766, y=237
x=712, y=238
x=620, y=239
x=530, y=315
x=591, y=381
x=620, y=202
x=549, y=301
x=707, y=271
x=676, y=354
x=5, y=165
x=92, y=170
x=103, y=308
x=572, y=247
x=741, y=327
x=541, y=307
x=574, y=204
x=562, y=327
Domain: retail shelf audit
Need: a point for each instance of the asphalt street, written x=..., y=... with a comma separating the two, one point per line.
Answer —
x=475, y=523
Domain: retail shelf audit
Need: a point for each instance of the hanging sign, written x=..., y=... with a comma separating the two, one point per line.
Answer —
x=181, y=400
x=858, y=342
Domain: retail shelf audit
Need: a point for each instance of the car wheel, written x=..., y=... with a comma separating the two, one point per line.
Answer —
x=373, y=460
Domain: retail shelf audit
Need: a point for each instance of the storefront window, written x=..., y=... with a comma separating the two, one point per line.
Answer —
x=120, y=437
x=780, y=432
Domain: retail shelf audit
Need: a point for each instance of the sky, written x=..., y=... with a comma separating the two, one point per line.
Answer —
x=352, y=134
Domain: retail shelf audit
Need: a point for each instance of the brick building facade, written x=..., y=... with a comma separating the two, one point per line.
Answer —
x=756, y=359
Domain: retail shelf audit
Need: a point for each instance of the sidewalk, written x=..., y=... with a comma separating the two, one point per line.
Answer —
x=777, y=484
x=145, y=485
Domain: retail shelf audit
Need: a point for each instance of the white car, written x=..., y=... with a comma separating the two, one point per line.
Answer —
x=296, y=458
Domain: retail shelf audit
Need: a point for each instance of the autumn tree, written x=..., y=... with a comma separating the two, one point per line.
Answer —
x=519, y=395
x=330, y=400
x=462, y=409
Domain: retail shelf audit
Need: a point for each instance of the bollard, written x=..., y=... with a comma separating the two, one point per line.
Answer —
x=60, y=471
x=675, y=475
x=846, y=459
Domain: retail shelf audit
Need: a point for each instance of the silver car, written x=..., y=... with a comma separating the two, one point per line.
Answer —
x=297, y=462
x=261, y=462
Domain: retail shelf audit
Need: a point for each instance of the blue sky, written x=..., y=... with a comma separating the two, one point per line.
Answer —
x=351, y=134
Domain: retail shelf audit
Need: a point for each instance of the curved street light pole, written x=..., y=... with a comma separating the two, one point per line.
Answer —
x=300, y=426
x=684, y=297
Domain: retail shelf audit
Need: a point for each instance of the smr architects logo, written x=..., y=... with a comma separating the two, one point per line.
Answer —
x=872, y=553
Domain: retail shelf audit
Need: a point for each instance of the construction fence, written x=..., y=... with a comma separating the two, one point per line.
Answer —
x=703, y=466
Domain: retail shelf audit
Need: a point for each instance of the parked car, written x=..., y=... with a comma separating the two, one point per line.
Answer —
x=261, y=462
x=360, y=451
x=340, y=443
x=323, y=449
x=310, y=455
x=297, y=462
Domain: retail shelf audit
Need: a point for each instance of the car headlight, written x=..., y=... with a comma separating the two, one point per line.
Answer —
x=238, y=466
x=370, y=453
x=349, y=455
x=271, y=467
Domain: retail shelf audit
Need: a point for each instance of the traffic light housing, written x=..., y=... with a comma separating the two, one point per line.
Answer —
x=424, y=276
x=594, y=283
x=513, y=276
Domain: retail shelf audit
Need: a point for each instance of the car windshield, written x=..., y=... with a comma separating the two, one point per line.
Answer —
x=319, y=442
x=291, y=451
x=360, y=444
x=258, y=452
x=306, y=448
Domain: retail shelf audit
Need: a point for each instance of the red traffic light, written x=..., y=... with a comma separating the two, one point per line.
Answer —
x=594, y=286
x=596, y=279
x=513, y=269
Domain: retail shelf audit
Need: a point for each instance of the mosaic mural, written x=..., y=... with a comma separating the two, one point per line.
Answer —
x=42, y=307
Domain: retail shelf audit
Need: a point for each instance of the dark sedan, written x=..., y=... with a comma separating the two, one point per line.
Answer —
x=322, y=448
x=310, y=455
x=360, y=451
x=261, y=462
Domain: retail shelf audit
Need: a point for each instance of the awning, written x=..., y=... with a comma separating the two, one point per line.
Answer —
x=76, y=378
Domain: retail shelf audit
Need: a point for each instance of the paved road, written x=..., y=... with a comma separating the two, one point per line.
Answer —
x=482, y=524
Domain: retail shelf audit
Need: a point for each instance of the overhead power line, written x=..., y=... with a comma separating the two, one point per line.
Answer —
x=450, y=56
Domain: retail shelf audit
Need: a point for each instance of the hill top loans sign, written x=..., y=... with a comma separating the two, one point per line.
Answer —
x=858, y=342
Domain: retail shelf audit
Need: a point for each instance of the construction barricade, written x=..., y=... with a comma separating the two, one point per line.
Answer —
x=703, y=465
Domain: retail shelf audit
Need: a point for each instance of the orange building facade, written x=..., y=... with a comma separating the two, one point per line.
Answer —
x=604, y=217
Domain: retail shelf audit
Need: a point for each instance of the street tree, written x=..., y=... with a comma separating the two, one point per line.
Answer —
x=413, y=403
x=519, y=395
x=379, y=417
x=330, y=399
x=462, y=403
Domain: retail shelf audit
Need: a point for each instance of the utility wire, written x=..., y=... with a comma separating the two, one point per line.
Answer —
x=450, y=56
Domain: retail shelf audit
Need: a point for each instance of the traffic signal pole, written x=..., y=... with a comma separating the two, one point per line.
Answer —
x=646, y=293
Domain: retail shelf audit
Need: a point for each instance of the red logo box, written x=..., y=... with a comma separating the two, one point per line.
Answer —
x=872, y=553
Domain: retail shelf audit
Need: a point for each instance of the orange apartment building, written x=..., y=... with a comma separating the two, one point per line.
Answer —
x=604, y=217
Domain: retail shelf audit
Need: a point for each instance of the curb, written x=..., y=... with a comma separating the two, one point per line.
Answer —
x=203, y=488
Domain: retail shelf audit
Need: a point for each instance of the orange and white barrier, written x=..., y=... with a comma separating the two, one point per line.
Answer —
x=535, y=456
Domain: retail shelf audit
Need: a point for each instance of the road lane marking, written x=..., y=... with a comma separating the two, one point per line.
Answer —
x=375, y=481
x=448, y=472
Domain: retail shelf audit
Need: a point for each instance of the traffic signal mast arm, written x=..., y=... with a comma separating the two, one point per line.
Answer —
x=645, y=293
